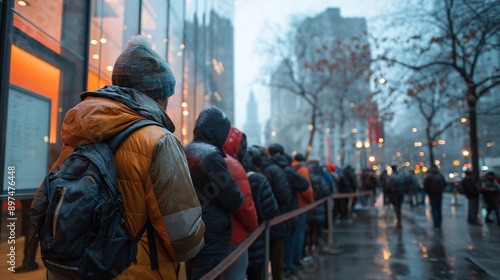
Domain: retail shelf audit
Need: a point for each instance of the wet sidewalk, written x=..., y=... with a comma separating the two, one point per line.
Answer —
x=373, y=248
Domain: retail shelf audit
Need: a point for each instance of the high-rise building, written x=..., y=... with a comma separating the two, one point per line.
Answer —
x=52, y=50
x=252, y=127
x=336, y=119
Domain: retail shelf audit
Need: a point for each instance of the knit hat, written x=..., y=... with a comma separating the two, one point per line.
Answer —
x=142, y=69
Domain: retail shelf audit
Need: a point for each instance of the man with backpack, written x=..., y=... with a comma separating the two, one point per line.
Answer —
x=161, y=214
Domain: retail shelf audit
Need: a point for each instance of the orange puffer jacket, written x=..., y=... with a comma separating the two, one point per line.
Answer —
x=152, y=175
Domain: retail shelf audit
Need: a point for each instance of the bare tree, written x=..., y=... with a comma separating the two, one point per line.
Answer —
x=434, y=97
x=322, y=70
x=461, y=36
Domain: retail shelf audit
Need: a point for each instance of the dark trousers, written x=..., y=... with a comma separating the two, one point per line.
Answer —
x=397, y=201
x=473, y=209
x=255, y=272
x=340, y=208
x=202, y=264
x=492, y=205
x=29, y=232
x=436, y=201
x=276, y=256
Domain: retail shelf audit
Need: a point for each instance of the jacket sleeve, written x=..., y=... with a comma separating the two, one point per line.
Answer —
x=227, y=193
x=281, y=188
x=268, y=201
x=174, y=208
x=297, y=182
x=246, y=213
x=307, y=196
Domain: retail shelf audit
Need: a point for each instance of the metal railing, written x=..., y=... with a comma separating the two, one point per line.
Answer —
x=264, y=227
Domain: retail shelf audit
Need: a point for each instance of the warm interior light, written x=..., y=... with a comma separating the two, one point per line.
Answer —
x=22, y=3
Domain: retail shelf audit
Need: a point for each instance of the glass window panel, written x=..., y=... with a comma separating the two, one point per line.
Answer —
x=112, y=25
x=41, y=20
x=175, y=59
x=154, y=20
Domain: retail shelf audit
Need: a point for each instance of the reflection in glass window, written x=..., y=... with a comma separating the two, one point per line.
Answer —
x=112, y=25
x=154, y=20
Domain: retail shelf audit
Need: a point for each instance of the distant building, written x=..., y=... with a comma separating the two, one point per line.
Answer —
x=291, y=114
x=252, y=127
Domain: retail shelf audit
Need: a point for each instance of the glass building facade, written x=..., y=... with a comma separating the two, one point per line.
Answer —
x=52, y=50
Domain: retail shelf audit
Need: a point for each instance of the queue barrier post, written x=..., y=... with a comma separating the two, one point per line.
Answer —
x=267, y=242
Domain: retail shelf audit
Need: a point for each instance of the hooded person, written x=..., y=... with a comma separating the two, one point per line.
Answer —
x=217, y=191
x=151, y=166
x=245, y=218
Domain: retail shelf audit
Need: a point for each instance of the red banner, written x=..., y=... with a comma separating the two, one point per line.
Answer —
x=375, y=129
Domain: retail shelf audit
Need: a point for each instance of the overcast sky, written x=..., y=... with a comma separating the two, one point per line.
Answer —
x=252, y=17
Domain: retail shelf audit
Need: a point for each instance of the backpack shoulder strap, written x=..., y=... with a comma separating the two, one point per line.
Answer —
x=113, y=144
x=116, y=140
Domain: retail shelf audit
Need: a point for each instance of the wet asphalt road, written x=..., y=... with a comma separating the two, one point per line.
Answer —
x=371, y=247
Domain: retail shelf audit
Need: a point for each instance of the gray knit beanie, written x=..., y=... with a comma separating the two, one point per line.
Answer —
x=139, y=67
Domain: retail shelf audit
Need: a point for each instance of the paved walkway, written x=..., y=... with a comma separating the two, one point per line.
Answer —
x=373, y=248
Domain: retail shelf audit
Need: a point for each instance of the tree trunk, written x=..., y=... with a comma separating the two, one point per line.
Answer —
x=311, y=133
x=429, y=141
x=474, y=151
x=431, y=153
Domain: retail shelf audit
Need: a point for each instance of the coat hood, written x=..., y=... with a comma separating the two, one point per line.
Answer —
x=107, y=111
x=212, y=127
x=233, y=142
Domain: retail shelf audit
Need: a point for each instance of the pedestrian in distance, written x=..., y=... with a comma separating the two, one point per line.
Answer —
x=472, y=193
x=217, y=192
x=490, y=191
x=384, y=184
x=398, y=185
x=434, y=184
x=245, y=218
x=151, y=167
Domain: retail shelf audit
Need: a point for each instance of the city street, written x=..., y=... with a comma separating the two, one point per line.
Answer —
x=373, y=248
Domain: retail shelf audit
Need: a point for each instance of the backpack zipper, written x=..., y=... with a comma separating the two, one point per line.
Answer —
x=58, y=209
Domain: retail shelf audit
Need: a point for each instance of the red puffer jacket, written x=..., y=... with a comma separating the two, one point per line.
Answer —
x=245, y=218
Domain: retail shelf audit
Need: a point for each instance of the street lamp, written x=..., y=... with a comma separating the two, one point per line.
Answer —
x=371, y=159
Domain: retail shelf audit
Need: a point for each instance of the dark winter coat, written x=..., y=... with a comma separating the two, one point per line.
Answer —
x=217, y=191
x=296, y=182
x=267, y=208
x=320, y=189
x=282, y=192
x=470, y=189
x=434, y=183
x=348, y=181
x=399, y=183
